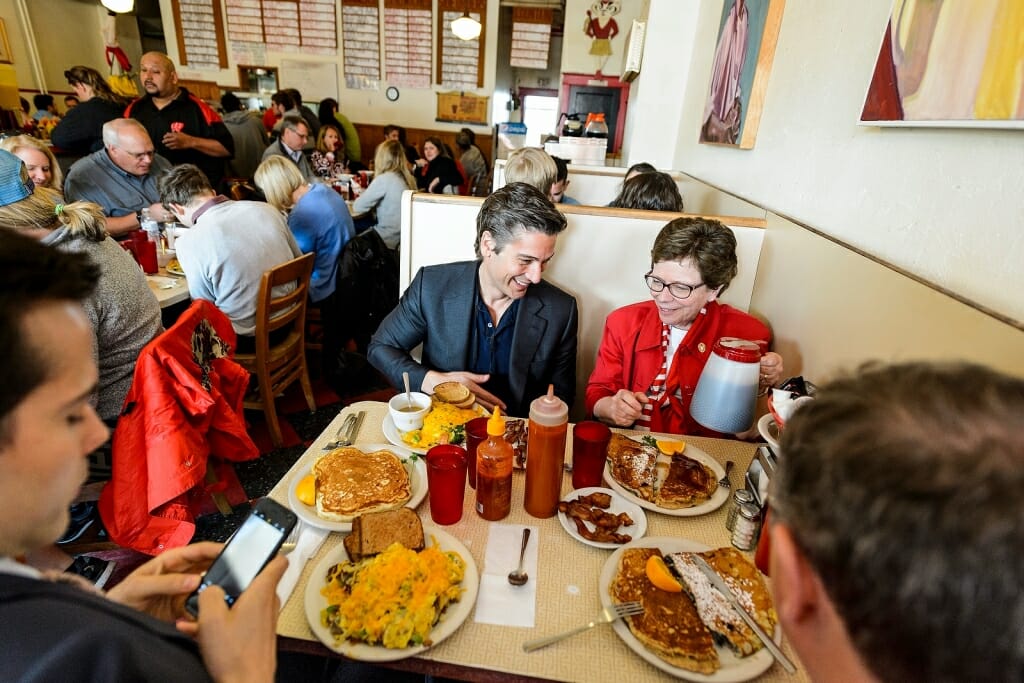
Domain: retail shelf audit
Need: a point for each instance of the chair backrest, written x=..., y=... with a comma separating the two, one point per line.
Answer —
x=274, y=312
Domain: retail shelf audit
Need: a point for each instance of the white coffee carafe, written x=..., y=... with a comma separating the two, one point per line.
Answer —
x=726, y=394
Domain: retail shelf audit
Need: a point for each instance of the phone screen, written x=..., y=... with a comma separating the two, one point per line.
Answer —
x=247, y=551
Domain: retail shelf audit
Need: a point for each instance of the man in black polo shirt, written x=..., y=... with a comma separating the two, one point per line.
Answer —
x=184, y=129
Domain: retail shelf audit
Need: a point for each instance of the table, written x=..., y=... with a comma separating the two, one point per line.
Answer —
x=567, y=585
x=168, y=289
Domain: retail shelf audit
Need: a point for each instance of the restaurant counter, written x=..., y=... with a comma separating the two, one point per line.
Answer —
x=566, y=583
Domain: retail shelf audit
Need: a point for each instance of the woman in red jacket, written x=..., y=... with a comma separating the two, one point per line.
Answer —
x=652, y=352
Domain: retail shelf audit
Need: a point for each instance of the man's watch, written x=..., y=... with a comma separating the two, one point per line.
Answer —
x=138, y=218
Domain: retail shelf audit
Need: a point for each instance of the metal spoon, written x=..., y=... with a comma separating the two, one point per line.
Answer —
x=408, y=393
x=519, y=577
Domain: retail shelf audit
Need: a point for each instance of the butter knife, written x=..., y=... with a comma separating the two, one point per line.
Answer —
x=719, y=583
x=356, y=427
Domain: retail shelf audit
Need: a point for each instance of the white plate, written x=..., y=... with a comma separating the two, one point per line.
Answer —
x=417, y=479
x=392, y=434
x=732, y=670
x=450, y=621
x=769, y=430
x=717, y=498
x=619, y=504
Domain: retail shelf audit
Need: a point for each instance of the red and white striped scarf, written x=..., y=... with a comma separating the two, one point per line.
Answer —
x=656, y=392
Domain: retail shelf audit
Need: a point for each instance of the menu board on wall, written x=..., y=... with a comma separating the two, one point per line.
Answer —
x=308, y=26
x=460, y=62
x=360, y=39
x=408, y=45
x=200, y=30
x=245, y=21
x=531, y=37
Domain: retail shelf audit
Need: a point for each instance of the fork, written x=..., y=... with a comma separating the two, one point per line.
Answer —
x=343, y=437
x=292, y=540
x=724, y=481
x=608, y=615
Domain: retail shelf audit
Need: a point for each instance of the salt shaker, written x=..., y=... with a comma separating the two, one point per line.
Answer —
x=739, y=497
x=748, y=524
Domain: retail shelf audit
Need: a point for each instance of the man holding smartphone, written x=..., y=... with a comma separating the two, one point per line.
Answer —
x=52, y=628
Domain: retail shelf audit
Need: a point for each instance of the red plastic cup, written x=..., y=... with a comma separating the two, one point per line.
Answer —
x=589, y=450
x=446, y=481
x=146, y=254
x=476, y=434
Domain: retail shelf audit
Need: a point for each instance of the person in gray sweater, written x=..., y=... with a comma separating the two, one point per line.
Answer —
x=124, y=313
x=384, y=195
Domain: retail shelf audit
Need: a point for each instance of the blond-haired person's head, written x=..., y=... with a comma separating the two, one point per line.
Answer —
x=42, y=166
x=278, y=178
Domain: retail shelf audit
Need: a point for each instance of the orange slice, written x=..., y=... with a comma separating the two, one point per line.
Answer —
x=671, y=447
x=660, y=576
x=305, y=490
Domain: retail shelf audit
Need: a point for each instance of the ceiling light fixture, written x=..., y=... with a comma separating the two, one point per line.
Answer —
x=466, y=27
x=118, y=5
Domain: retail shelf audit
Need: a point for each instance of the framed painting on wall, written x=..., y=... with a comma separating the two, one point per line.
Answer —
x=949, y=64
x=747, y=35
x=5, y=45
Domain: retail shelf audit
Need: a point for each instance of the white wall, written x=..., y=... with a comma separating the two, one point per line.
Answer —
x=576, y=57
x=946, y=205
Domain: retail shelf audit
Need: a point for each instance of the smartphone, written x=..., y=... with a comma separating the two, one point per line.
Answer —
x=247, y=552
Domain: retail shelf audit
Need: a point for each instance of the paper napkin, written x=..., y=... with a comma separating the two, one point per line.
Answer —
x=310, y=539
x=498, y=601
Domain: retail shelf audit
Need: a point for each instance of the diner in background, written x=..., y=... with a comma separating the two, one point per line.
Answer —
x=70, y=102
x=493, y=324
x=246, y=130
x=55, y=628
x=651, y=191
x=328, y=159
x=81, y=130
x=311, y=119
x=436, y=172
x=896, y=526
x=184, y=129
x=293, y=137
x=329, y=115
x=652, y=352
x=384, y=195
x=122, y=310
x=473, y=162
x=121, y=178
x=561, y=184
x=397, y=133
x=39, y=161
x=228, y=248
x=533, y=166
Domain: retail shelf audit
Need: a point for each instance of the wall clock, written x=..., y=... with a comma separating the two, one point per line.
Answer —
x=391, y=93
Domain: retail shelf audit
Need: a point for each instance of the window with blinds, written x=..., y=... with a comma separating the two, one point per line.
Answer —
x=408, y=44
x=199, y=25
x=460, y=62
x=360, y=39
x=531, y=37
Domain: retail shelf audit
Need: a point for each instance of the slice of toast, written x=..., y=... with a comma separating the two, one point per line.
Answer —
x=351, y=542
x=378, y=530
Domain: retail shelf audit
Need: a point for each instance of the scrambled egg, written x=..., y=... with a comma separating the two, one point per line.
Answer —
x=393, y=599
x=443, y=424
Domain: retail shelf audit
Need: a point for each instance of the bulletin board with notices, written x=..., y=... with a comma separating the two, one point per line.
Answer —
x=458, y=107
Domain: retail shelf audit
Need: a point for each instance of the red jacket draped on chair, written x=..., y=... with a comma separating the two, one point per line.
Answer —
x=185, y=404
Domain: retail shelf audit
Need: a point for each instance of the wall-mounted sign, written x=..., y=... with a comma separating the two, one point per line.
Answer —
x=457, y=107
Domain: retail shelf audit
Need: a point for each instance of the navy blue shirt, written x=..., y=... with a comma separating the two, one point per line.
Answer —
x=492, y=346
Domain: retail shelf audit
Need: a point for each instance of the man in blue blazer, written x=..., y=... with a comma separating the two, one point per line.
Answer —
x=492, y=324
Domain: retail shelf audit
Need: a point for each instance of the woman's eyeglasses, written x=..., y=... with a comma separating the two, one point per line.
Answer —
x=676, y=289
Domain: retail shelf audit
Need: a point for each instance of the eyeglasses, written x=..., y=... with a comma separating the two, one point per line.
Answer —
x=676, y=289
x=148, y=154
x=302, y=136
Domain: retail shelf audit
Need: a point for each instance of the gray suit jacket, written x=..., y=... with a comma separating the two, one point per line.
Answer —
x=437, y=311
x=306, y=168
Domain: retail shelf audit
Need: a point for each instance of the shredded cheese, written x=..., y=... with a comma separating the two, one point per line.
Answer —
x=440, y=425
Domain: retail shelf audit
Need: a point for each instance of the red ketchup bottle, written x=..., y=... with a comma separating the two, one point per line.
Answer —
x=494, y=471
x=545, y=454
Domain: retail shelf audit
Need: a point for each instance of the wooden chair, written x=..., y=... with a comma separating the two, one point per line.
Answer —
x=278, y=366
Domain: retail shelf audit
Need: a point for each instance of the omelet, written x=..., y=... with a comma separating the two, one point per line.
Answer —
x=443, y=424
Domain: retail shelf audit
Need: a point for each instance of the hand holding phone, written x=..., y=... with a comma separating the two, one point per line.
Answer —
x=247, y=552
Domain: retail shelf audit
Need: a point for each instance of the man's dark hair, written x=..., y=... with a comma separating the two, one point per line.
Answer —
x=32, y=274
x=229, y=102
x=182, y=184
x=513, y=209
x=563, y=169
x=325, y=112
x=652, y=191
x=641, y=167
x=465, y=139
x=283, y=98
x=903, y=487
x=295, y=95
x=42, y=101
x=401, y=132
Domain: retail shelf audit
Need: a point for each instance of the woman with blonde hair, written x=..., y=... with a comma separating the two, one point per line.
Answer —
x=81, y=130
x=124, y=313
x=318, y=218
x=39, y=161
x=328, y=159
x=391, y=177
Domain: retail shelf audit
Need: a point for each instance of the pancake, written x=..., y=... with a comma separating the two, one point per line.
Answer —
x=670, y=626
x=632, y=464
x=715, y=611
x=350, y=482
x=687, y=484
